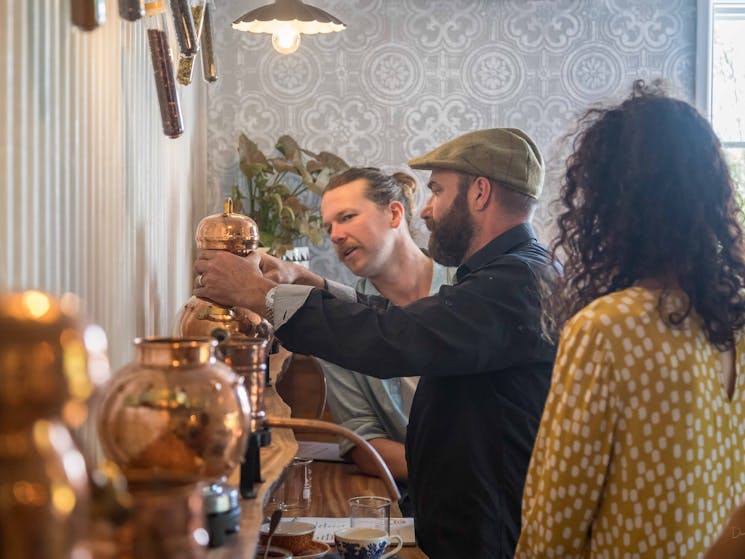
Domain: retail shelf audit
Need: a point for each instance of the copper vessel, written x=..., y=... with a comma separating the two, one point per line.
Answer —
x=176, y=414
x=247, y=357
x=44, y=386
x=173, y=418
x=234, y=233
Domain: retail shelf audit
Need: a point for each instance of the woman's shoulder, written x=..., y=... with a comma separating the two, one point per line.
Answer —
x=630, y=307
x=632, y=300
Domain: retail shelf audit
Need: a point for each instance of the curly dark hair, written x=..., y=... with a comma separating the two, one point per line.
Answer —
x=647, y=194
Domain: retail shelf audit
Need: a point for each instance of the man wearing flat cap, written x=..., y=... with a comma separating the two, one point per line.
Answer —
x=484, y=366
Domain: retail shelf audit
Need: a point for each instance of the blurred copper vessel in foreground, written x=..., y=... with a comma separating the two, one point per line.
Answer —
x=44, y=386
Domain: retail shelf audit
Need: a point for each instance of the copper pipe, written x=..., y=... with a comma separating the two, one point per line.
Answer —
x=326, y=427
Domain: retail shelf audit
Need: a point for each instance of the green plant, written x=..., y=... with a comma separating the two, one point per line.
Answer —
x=273, y=187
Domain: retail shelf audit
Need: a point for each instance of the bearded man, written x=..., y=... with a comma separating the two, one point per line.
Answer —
x=485, y=368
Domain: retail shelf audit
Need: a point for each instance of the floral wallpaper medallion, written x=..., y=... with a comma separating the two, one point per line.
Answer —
x=391, y=74
x=547, y=117
x=594, y=73
x=679, y=66
x=352, y=124
x=290, y=78
x=493, y=74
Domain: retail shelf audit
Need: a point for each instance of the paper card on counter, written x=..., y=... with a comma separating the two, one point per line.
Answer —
x=326, y=452
x=325, y=528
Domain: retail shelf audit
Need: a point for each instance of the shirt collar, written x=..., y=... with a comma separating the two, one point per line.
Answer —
x=502, y=244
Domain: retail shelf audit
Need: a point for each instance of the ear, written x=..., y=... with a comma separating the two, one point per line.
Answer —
x=480, y=193
x=397, y=213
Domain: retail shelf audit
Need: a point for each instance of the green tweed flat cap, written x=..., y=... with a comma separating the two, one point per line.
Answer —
x=507, y=155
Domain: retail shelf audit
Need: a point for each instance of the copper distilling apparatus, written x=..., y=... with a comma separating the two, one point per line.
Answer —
x=245, y=343
x=244, y=337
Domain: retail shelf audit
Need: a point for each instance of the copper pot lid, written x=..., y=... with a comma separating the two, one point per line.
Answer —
x=236, y=233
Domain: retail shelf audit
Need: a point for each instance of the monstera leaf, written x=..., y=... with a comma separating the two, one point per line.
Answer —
x=250, y=158
x=333, y=162
x=287, y=146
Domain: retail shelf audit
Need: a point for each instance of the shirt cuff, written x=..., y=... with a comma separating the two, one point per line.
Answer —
x=341, y=291
x=283, y=301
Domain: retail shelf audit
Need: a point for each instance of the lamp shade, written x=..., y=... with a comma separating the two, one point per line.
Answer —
x=303, y=18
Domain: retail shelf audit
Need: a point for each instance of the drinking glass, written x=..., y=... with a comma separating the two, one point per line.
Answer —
x=370, y=512
x=295, y=497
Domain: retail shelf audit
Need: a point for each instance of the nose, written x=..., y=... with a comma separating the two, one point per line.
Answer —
x=427, y=209
x=337, y=234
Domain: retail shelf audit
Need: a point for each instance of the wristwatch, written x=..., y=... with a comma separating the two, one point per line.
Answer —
x=269, y=305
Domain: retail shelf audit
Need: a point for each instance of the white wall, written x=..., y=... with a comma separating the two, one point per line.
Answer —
x=94, y=199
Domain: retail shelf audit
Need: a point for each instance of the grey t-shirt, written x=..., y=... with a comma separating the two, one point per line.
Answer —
x=371, y=407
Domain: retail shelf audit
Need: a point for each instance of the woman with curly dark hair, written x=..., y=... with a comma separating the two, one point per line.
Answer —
x=641, y=447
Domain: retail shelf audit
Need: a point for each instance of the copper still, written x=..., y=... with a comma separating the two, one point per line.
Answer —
x=44, y=386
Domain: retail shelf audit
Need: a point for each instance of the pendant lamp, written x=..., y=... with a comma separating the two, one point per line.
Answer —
x=286, y=20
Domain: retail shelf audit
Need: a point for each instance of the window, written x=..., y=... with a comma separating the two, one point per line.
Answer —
x=720, y=82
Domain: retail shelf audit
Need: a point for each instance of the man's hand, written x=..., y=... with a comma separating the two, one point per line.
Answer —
x=281, y=271
x=230, y=280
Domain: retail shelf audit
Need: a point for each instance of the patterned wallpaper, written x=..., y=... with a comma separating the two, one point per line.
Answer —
x=407, y=75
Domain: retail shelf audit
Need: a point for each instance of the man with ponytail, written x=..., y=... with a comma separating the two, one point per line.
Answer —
x=367, y=215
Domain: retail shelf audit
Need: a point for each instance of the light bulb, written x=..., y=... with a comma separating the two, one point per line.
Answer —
x=286, y=40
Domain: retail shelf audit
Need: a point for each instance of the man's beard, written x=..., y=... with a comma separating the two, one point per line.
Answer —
x=451, y=235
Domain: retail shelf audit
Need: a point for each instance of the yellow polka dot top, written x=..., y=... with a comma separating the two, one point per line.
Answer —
x=640, y=452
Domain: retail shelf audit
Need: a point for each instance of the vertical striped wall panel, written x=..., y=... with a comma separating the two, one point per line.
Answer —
x=94, y=199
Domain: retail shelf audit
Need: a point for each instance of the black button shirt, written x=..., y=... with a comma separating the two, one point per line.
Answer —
x=485, y=372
